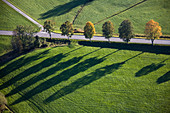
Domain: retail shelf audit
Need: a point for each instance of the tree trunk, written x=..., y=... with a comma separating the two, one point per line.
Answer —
x=152, y=40
x=90, y=39
x=109, y=39
x=50, y=35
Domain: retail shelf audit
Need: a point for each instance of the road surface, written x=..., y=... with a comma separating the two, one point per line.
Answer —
x=78, y=37
x=99, y=38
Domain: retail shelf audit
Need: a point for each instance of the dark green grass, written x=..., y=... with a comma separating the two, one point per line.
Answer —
x=9, y=18
x=5, y=44
x=61, y=11
x=87, y=79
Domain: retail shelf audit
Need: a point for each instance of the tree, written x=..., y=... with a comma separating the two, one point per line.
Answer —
x=126, y=31
x=108, y=30
x=3, y=102
x=23, y=38
x=67, y=29
x=89, y=30
x=152, y=30
x=49, y=26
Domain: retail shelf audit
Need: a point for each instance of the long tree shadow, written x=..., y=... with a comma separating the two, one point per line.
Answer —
x=33, y=69
x=150, y=68
x=79, y=83
x=87, y=79
x=36, y=68
x=47, y=73
x=63, y=9
x=21, y=62
x=164, y=78
x=65, y=75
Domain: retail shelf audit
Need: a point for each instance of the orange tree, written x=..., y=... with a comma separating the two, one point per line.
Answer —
x=89, y=30
x=108, y=30
x=152, y=30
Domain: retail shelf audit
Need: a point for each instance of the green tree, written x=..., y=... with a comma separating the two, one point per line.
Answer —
x=49, y=26
x=23, y=38
x=89, y=30
x=153, y=30
x=126, y=31
x=67, y=29
x=108, y=30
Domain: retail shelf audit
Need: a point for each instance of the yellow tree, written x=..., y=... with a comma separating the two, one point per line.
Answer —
x=89, y=30
x=152, y=30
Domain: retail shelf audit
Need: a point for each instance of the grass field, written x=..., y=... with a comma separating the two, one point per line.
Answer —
x=60, y=11
x=5, y=44
x=87, y=79
x=9, y=18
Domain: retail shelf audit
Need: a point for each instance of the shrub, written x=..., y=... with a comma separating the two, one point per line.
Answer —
x=23, y=38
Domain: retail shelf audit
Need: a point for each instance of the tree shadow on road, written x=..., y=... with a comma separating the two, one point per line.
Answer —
x=164, y=78
x=63, y=9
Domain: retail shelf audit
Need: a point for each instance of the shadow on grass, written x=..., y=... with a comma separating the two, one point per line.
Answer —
x=36, y=68
x=47, y=73
x=150, y=68
x=87, y=79
x=63, y=9
x=158, y=49
x=63, y=76
x=21, y=62
x=79, y=83
x=164, y=78
x=33, y=69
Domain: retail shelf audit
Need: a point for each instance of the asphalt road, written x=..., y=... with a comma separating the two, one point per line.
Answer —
x=80, y=37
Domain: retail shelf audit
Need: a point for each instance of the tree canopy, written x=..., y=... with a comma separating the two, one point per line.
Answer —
x=108, y=29
x=126, y=31
x=49, y=26
x=89, y=30
x=23, y=38
x=67, y=29
x=153, y=30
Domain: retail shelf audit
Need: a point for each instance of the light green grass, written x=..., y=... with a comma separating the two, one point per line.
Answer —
x=9, y=18
x=87, y=79
x=159, y=10
x=5, y=44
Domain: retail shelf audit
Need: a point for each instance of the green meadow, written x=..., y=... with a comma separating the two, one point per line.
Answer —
x=9, y=18
x=5, y=44
x=87, y=79
x=60, y=11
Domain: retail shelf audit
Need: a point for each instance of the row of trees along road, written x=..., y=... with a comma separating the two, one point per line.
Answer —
x=152, y=30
